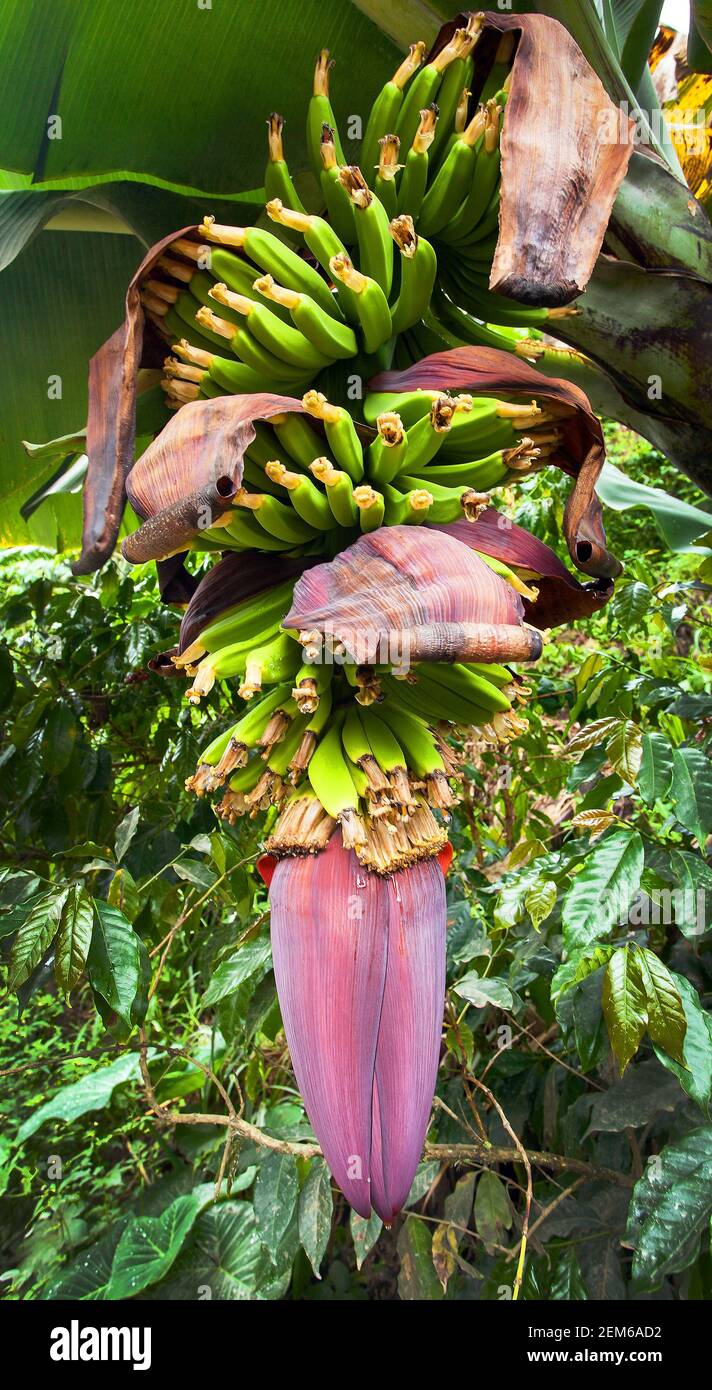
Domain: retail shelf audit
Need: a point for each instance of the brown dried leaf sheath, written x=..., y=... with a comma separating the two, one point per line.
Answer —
x=488, y=372
x=406, y=594
x=111, y=421
x=561, y=166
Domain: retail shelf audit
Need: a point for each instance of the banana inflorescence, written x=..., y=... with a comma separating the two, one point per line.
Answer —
x=394, y=260
x=325, y=744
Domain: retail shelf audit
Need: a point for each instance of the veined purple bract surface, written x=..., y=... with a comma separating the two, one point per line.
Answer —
x=360, y=968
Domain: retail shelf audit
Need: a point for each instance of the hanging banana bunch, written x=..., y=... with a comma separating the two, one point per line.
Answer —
x=370, y=609
x=326, y=742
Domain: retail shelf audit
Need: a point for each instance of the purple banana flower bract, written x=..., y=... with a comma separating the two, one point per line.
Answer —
x=359, y=962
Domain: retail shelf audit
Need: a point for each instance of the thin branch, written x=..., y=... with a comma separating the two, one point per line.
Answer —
x=530, y=1186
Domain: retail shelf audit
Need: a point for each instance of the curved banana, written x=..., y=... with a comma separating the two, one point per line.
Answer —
x=339, y=491
x=277, y=518
x=271, y=254
x=296, y=435
x=424, y=87
x=447, y=503
x=331, y=780
x=453, y=180
x=308, y=502
x=326, y=334
x=484, y=179
x=386, y=107
x=275, y=661
x=241, y=620
x=465, y=683
x=414, y=180
x=340, y=432
x=246, y=534
x=374, y=241
x=323, y=240
x=283, y=340
x=418, y=266
x=371, y=303
x=320, y=111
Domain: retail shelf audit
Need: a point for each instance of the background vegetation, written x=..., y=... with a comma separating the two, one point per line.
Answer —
x=134, y=932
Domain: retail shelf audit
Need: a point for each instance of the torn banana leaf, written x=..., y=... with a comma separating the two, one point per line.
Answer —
x=489, y=372
x=557, y=185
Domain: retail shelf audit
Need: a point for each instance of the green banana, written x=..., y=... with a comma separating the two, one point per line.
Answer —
x=374, y=241
x=231, y=749
x=371, y=505
x=277, y=518
x=296, y=435
x=371, y=302
x=466, y=684
x=418, y=268
x=480, y=474
x=340, y=432
x=308, y=502
x=339, y=492
x=406, y=509
x=320, y=112
x=282, y=753
x=436, y=702
x=427, y=435
x=388, y=168
x=424, y=87
x=275, y=661
x=447, y=503
x=227, y=660
x=246, y=534
x=416, y=739
x=385, y=109
x=338, y=203
x=414, y=179
x=268, y=252
x=410, y=405
x=240, y=621
x=484, y=179
x=387, y=454
x=322, y=240
x=457, y=79
x=224, y=372
x=332, y=783
x=278, y=180
x=283, y=340
x=326, y=334
x=384, y=744
x=453, y=180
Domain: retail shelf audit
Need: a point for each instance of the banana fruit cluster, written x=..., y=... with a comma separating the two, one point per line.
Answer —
x=313, y=482
x=255, y=310
x=327, y=745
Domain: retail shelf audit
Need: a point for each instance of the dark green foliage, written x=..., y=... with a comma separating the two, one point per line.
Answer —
x=578, y=983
